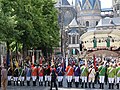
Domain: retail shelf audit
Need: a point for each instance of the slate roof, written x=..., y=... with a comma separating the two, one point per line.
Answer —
x=73, y=30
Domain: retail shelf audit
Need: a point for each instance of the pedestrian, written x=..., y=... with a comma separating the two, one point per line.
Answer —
x=9, y=75
x=4, y=78
x=53, y=78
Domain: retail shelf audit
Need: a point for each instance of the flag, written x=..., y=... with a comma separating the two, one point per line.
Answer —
x=52, y=61
x=94, y=58
x=16, y=63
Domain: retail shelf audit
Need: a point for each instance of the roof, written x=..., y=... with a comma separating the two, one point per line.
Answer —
x=109, y=22
x=73, y=23
x=73, y=30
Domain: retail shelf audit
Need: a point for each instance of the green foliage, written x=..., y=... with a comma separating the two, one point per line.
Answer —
x=30, y=22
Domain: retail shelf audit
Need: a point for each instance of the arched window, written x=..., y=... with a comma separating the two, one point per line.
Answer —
x=96, y=22
x=87, y=23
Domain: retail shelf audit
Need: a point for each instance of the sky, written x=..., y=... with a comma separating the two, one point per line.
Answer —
x=104, y=3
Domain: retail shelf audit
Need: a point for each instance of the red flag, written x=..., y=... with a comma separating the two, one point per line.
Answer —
x=94, y=58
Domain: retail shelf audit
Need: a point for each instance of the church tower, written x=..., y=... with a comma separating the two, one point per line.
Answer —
x=116, y=7
x=90, y=13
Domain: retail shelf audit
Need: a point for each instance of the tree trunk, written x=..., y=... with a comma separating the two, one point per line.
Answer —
x=24, y=50
x=8, y=54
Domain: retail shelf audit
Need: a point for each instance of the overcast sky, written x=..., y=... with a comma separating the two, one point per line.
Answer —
x=104, y=3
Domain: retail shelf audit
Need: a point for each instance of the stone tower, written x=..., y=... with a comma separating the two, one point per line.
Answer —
x=90, y=13
x=116, y=7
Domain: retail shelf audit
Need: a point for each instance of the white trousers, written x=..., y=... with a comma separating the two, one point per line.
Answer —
x=102, y=79
x=76, y=78
x=91, y=79
x=22, y=78
x=9, y=78
x=84, y=78
x=34, y=78
x=15, y=78
x=41, y=78
x=60, y=78
x=111, y=80
x=69, y=78
x=118, y=80
x=47, y=78
x=28, y=78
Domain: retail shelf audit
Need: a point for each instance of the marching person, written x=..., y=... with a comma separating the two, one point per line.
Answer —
x=40, y=74
x=60, y=73
x=111, y=76
x=91, y=76
x=4, y=78
x=101, y=70
x=118, y=75
x=22, y=75
x=34, y=74
x=84, y=74
x=16, y=75
x=53, y=77
x=76, y=75
x=9, y=75
x=28, y=74
x=69, y=75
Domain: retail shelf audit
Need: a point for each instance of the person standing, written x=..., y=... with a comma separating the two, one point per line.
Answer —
x=84, y=74
x=28, y=74
x=4, y=79
x=118, y=75
x=76, y=75
x=40, y=74
x=22, y=75
x=16, y=75
x=69, y=75
x=101, y=70
x=9, y=75
x=91, y=76
x=53, y=78
x=60, y=73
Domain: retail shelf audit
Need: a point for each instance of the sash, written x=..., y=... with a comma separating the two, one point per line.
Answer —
x=60, y=70
x=83, y=70
x=110, y=70
x=118, y=72
x=40, y=69
x=68, y=70
x=76, y=69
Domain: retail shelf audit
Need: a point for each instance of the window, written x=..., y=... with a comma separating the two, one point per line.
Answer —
x=87, y=23
x=73, y=40
x=96, y=22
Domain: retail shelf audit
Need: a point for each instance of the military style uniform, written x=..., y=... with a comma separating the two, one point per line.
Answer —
x=91, y=77
x=28, y=75
x=16, y=75
x=118, y=75
x=76, y=75
x=40, y=74
x=9, y=75
x=84, y=74
x=69, y=75
x=60, y=75
x=101, y=70
x=22, y=75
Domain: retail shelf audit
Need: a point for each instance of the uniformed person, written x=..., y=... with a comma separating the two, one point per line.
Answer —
x=16, y=75
x=60, y=73
x=53, y=77
x=118, y=75
x=69, y=75
x=9, y=75
x=34, y=74
x=28, y=74
x=22, y=75
x=101, y=70
x=91, y=76
x=84, y=74
x=40, y=74
x=76, y=75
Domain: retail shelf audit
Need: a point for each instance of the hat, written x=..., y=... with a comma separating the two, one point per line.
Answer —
x=59, y=64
